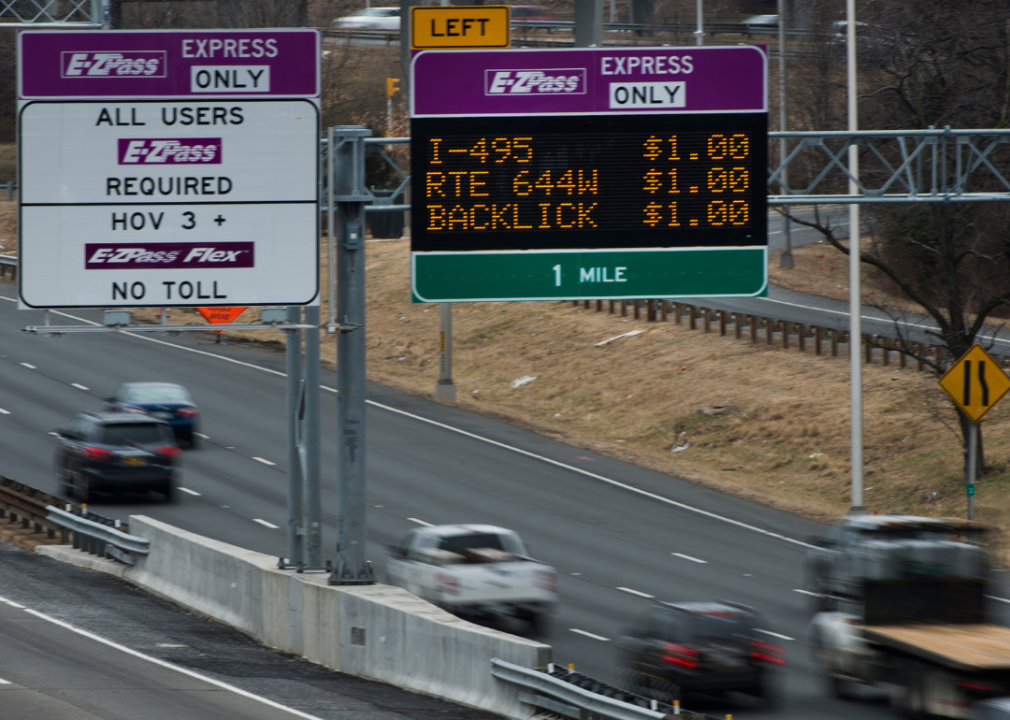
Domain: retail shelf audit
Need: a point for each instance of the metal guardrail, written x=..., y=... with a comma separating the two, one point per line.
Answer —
x=96, y=537
x=9, y=261
x=24, y=505
x=573, y=694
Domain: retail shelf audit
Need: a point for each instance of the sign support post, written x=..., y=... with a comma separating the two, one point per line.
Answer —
x=445, y=388
x=972, y=461
x=294, y=390
x=346, y=153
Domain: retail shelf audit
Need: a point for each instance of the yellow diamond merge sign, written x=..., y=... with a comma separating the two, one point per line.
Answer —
x=975, y=382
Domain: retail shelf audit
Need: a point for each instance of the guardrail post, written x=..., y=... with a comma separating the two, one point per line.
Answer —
x=920, y=362
x=692, y=317
x=834, y=342
x=801, y=337
x=722, y=323
x=707, y=319
x=885, y=351
x=678, y=310
x=651, y=310
x=624, y=308
x=769, y=330
x=599, y=306
x=638, y=309
x=868, y=348
x=786, y=328
x=903, y=356
x=817, y=340
x=664, y=306
x=610, y=309
x=752, y=325
x=737, y=327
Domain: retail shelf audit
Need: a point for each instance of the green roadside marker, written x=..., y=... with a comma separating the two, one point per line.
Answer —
x=971, y=489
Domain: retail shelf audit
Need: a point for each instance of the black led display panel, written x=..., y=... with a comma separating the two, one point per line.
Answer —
x=589, y=182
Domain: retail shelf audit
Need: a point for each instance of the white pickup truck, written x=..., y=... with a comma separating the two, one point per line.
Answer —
x=475, y=571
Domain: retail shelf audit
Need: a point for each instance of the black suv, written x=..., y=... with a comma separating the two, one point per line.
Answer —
x=112, y=452
x=700, y=647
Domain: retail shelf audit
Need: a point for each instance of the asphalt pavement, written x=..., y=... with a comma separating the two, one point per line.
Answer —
x=81, y=645
x=619, y=535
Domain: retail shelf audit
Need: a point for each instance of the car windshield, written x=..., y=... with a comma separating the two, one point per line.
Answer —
x=459, y=543
x=134, y=434
x=719, y=626
x=159, y=394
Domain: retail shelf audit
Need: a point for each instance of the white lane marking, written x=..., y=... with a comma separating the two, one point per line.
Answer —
x=191, y=492
x=807, y=592
x=589, y=635
x=79, y=386
x=265, y=462
x=176, y=668
x=8, y=412
x=170, y=645
x=993, y=597
x=692, y=559
x=201, y=435
x=421, y=522
x=4, y=682
x=15, y=605
x=29, y=366
x=636, y=592
x=266, y=524
x=775, y=634
x=435, y=423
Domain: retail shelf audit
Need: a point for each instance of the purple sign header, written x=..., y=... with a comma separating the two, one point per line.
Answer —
x=175, y=255
x=66, y=64
x=589, y=81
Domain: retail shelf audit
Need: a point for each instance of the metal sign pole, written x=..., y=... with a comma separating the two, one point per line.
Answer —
x=445, y=388
x=348, y=154
x=311, y=443
x=972, y=460
x=293, y=367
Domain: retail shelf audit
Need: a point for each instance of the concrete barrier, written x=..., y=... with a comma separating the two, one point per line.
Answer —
x=373, y=631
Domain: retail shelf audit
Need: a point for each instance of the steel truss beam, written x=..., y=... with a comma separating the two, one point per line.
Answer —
x=54, y=13
x=895, y=166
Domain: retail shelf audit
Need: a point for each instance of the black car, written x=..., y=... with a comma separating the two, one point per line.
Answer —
x=166, y=401
x=707, y=648
x=116, y=452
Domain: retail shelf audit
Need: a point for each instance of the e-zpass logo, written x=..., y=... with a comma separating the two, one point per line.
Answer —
x=125, y=63
x=520, y=82
x=203, y=151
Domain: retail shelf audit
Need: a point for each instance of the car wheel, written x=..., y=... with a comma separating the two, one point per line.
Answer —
x=770, y=692
x=168, y=490
x=82, y=490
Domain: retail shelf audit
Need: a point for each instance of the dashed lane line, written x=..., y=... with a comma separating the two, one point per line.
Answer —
x=489, y=441
x=190, y=492
x=775, y=634
x=79, y=386
x=421, y=522
x=201, y=435
x=264, y=461
x=8, y=412
x=29, y=366
x=692, y=559
x=807, y=592
x=636, y=592
x=266, y=524
x=589, y=635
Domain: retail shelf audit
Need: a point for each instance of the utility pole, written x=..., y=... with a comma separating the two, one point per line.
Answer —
x=347, y=168
x=588, y=23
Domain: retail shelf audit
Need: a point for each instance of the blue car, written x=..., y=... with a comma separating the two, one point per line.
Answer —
x=168, y=402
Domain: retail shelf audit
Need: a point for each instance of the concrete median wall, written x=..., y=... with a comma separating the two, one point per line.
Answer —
x=372, y=631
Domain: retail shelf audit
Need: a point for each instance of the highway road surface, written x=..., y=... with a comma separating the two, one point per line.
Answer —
x=619, y=535
x=80, y=645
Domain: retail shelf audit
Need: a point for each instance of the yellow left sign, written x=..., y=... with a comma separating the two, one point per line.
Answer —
x=460, y=26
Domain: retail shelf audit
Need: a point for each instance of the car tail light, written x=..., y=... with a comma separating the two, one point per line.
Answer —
x=545, y=580
x=142, y=411
x=766, y=652
x=169, y=451
x=187, y=412
x=447, y=584
x=977, y=687
x=94, y=453
x=680, y=655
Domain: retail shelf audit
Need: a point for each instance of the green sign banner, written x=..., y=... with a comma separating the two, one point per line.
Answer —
x=589, y=274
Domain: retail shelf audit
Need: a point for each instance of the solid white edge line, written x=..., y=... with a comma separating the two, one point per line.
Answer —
x=636, y=592
x=421, y=522
x=774, y=634
x=589, y=635
x=170, y=666
x=191, y=492
x=993, y=597
x=266, y=524
x=15, y=605
x=586, y=473
x=262, y=460
x=79, y=386
x=692, y=559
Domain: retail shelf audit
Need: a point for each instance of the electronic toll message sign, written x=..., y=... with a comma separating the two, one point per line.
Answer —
x=589, y=174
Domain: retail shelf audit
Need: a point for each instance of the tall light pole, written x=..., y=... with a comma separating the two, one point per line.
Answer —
x=855, y=290
x=786, y=257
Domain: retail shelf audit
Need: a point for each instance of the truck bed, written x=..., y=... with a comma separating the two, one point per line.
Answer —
x=965, y=647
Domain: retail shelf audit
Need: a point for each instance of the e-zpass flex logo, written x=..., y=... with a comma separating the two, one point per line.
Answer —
x=122, y=63
x=523, y=82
